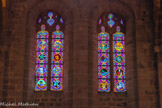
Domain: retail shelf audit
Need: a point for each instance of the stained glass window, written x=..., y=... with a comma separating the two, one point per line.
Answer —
x=49, y=52
x=111, y=53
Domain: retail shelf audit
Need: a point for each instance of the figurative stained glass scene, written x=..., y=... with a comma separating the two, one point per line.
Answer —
x=49, y=52
x=111, y=53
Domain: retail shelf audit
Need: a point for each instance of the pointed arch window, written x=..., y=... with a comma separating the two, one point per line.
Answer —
x=49, y=52
x=111, y=53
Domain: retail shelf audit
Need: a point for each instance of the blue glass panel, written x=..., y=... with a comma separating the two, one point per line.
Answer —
x=56, y=84
x=119, y=86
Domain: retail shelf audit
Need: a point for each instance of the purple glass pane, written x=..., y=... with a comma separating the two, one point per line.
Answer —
x=39, y=21
x=121, y=22
x=61, y=20
x=100, y=21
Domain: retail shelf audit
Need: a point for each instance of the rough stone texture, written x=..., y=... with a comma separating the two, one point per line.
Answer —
x=18, y=43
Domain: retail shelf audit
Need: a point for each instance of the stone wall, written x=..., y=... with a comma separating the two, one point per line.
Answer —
x=17, y=54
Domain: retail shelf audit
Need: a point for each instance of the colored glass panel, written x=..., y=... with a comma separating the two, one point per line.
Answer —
x=56, y=70
x=43, y=33
x=100, y=21
x=111, y=22
x=42, y=57
x=41, y=84
x=103, y=59
x=103, y=35
x=118, y=46
x=39, y=21
x=57, y=57
x=41, y=70
x=118, y=35
x=104, y=85
x=61, y=20
x=50, y=21
x=103, y=46
x=119, y=61
x=119, y=86
x=121, y=22
x=56, y=84
x=104, y=72
x=111, y=46
x=119, y=72
x=119, y=58
x=57, y=33
x=57, y=45
x=42, y=45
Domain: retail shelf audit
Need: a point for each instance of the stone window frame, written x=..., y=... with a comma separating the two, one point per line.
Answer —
x=48, y=29
x=29, y=74
x=126, y=11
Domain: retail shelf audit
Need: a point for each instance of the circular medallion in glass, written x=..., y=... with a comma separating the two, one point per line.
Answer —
x=57, y=44
x=56, y=70
x=41, y=83
x=103, y=46
x=42, y=57
x=56, y=83
x=119, y=72
x=120, y=86
x=104, y=85
x=103, y=72
x=118, y=46
x=57, y=57
x=119, y=59
x=104, y=58
x=41, y=70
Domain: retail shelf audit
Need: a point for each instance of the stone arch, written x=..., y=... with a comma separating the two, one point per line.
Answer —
x=65, y=10
x=126, y=11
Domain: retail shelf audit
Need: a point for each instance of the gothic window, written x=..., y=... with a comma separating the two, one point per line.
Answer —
x=111, y=53
x=49, y=52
